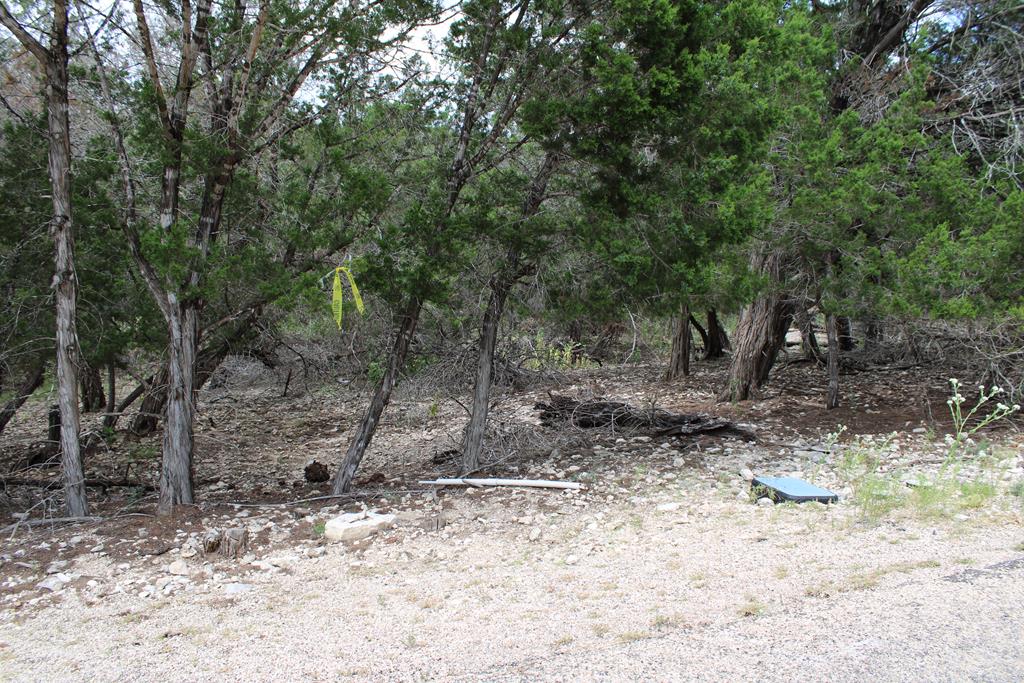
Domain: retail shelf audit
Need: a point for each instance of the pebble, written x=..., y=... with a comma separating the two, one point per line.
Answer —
x=747, y=474
x=669, y=507
x=237, y=588
x=535, y=533
x=765, y=502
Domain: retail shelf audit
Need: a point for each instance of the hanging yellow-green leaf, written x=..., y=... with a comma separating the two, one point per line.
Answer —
x=355, y=292
x=337, y=301
x=337, y=296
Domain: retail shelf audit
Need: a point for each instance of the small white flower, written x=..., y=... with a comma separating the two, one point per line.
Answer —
x=1002, y=406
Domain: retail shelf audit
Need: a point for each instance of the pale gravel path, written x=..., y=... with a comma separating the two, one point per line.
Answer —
x=928, y=630
x=655, y=596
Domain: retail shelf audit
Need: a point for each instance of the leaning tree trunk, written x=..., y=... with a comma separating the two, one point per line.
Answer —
x=110, y=419
x=832, y=330
x=381, y=398
x=65, y=280
x=33, y=381
x=759, y=336
x=93, y=399
x=146, y=420
x=501, y=284
x=808, y=339
x=718, y=340
x=679, y=362
x=176, y=464
x=702, y=332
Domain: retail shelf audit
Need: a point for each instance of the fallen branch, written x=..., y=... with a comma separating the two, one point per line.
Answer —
x=530, y=483
x=622, y=416
x=51, y=520
x=91, y=483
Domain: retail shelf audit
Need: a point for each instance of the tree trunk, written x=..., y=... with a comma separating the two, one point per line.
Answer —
x=718, y=340
x=65, y=280
x=381, y=396
x=679, y=362
x=501, y=284
x=832, y=329
x=111, y=390
x=808, y=339
x=176, y=465
x=112, y=416
x=874, y=333
x=93, y=399
x=759, y=336
x=53, y=426
x=145, y=422
x=33, y=381
x=702, y=332
x=845, y=330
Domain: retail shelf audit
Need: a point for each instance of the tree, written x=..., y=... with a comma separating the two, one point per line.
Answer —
x=54, y=61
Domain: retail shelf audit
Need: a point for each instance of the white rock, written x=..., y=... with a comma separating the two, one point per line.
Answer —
x=237, y=588
x=53, y=583
x=356, y=525
x=765, y=502
x=535, y=533
x=178, y=568
x=56, y=566
x=572, y=559
x=747, y=474
x=669, y=507
x=189, y=550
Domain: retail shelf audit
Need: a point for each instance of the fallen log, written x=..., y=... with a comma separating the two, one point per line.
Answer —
x=624, y=417
x=528, y=483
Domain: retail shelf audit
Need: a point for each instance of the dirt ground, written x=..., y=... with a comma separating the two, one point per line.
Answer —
x=662, y=567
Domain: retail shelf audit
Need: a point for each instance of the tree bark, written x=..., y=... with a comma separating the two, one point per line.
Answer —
x=759, y=336
x=381, y=397
x=679, y=362
x=33, y=381
x=718, y=340
x=93, y=399
x=832, y=330
x=65, y=280
x=176, y=465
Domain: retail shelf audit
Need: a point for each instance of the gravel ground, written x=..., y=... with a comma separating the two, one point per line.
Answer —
x=716, y=589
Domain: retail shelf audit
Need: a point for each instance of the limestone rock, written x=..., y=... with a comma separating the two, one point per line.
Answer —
x=235, y=541
x=354, y=526
x=178, y=568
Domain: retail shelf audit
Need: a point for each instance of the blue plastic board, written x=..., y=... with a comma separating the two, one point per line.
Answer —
x=791, y=488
